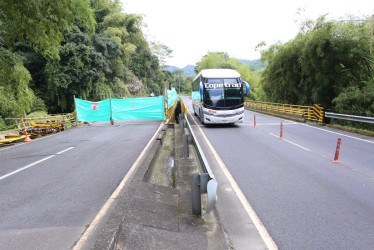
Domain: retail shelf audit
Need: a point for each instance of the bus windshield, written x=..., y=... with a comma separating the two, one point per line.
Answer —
x=223, y=93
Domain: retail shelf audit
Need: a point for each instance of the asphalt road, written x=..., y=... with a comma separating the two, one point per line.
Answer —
x=304, y=199
x=53, y=187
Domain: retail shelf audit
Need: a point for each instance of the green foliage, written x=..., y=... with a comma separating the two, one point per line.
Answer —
x=15, y=95
x=43, y=23
x=81, y=71
x=52, y=50
x=355, y=100
x=161, y=51
x=325, y=60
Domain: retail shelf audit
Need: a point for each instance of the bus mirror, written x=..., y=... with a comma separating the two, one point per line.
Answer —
x=201, y=89
x=247, y=87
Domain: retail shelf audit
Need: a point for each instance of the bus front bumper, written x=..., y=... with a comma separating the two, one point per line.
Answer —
x=209, y=119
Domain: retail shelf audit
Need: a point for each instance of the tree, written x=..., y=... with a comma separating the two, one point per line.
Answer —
x=323, y=60
x=40, y=25
x=161, y=51
x=43, y=23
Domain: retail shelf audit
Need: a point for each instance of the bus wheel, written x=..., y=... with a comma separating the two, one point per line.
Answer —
x=201, y=116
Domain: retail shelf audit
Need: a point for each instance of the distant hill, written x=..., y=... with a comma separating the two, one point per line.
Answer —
x=254, y=64
x=188, y=70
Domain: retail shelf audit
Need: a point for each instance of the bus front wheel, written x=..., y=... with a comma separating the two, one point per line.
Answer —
x=201, y=116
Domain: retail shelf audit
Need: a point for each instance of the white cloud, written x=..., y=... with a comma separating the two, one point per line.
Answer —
x=192, y=28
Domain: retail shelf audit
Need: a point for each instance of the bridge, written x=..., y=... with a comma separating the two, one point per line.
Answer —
x=92, y=187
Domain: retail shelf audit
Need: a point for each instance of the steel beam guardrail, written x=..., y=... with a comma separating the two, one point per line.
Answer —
x=311, y=113
x=350, y=117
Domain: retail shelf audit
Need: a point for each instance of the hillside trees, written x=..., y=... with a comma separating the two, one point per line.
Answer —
x=40, y=25
x=326, y=63
x=52, y=50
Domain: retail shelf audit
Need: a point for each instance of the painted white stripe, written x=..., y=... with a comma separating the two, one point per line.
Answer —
x=26, y=167
x=295, y=144
x=34, y=163
x=352, y=137
x=248, y=208
x=63, y=151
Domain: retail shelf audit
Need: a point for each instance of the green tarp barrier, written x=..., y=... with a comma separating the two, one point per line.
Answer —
x=120, y=109
x=172, y=97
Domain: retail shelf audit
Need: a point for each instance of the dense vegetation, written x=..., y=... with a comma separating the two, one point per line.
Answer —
x=53, y=50
x=327, y=63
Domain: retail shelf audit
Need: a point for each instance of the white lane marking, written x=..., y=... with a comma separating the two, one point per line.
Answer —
x=295, y=144
x=63, y=151
x=34, y=163
x=81, y=242
x=248, y=208
x=352, y=137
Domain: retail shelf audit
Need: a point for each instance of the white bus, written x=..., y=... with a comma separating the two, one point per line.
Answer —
x=218, y=97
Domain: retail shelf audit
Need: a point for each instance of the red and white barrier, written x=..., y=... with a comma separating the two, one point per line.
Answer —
x=254, y=121
x=281, y=131
x=336, y=159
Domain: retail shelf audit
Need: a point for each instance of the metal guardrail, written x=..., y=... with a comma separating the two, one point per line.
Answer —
x=350, y=117
x=200, y=183
x=310, y=113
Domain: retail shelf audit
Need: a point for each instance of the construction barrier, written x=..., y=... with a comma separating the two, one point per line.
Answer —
x=26, y=128
x=310, y=113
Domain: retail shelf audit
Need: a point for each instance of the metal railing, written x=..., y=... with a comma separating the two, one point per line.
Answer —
x=200, y=183
x=350, y=117
x=310, y=113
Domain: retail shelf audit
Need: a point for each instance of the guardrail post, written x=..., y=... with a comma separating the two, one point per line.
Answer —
x=185, y=146
x=182, y=125
x=204, y=179
x=196, y=195
x=203, y=183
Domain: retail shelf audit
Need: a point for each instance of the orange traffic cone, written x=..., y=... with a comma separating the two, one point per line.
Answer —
x=27, y=139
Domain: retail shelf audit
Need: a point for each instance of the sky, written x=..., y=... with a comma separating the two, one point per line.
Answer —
x=192, y=28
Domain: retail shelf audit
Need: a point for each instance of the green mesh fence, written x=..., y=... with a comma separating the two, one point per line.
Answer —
x=120, y=109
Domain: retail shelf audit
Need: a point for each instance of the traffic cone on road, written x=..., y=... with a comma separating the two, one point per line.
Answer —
x=27, y=139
